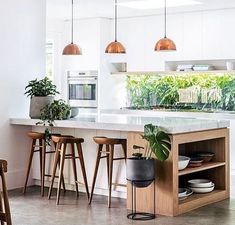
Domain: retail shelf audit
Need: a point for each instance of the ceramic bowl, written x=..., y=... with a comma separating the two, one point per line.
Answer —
x=74, y=112
x=186, y=195
x=202, y=190
x=206, y=156
x=195, y=162
x=182, y=192
x=200, y=183
x=183, y=162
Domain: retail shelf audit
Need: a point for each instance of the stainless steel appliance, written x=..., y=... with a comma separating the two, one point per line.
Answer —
x=83, y=89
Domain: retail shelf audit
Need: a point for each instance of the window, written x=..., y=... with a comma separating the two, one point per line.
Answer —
x=50, y=59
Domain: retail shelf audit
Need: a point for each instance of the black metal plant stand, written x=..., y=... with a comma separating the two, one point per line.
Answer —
x=134, y=215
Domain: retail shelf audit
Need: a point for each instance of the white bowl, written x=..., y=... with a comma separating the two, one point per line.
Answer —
x=183, y=162
x=182, y=192
x=187, y=194
x=203, y=189
x=200, y=183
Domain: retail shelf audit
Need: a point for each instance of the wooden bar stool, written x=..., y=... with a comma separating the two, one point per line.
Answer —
x=5, y=215
x=109, y=155
x=41, y=148
x=61, y=155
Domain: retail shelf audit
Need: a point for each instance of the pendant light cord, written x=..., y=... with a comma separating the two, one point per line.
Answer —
x=115, y=20
x=165, y=18
x=72, y=23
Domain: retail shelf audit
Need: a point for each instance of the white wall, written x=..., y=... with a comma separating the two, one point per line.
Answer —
x=198, y=35
x=22, y=59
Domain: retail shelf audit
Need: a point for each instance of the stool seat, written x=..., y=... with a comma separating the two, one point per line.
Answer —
x=36, y=135
x=66, y=139
x=60, y=156
x=108, y=141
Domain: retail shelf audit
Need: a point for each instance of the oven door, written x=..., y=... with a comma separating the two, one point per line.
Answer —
x=82, y=92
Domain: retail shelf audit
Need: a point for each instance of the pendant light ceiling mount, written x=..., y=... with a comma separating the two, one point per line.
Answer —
x=72, y=49
x=165, y=44
x=115, y=47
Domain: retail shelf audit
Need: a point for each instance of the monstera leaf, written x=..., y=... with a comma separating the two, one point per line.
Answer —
x=159, y=141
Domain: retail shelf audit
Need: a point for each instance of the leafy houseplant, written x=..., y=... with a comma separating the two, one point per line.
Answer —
x=141, y=167
x=57, y=110
x=41, y=93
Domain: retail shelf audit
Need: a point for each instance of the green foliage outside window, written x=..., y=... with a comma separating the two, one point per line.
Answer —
x=213, y=91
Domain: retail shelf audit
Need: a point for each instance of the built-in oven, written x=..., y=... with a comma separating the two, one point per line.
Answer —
x=83, y=89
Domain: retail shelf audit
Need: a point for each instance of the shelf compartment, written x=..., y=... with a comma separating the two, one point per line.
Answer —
x=205, y=166
x=199, y=200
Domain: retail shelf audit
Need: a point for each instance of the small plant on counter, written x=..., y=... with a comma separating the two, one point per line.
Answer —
x=41, y=88
x=41, y=93
x=141, y=167
x=57, y=110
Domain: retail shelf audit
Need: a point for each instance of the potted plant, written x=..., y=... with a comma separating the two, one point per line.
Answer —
x=141, y=167
x=57, y=110
x=41, y=93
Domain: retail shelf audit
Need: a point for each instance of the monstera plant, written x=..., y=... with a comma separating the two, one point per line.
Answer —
x=141, y=167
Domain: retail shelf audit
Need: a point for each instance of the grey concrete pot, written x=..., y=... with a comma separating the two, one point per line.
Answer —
x=140, y=172
x=37, y=103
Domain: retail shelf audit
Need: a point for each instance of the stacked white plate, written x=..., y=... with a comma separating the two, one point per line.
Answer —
x=201, y=185
x=184, y=193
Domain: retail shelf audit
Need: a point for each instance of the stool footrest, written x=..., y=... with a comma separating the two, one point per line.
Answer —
x=121, y=185
x=70, y=157
x=119, y=158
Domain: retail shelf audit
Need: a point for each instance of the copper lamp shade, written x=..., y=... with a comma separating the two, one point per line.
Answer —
x=165, y=44
x=115, y=47
x=72, y=49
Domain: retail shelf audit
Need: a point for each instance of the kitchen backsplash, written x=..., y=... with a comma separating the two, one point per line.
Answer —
x=194, y=92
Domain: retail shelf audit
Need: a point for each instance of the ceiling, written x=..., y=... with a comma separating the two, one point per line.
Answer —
x=61, y=9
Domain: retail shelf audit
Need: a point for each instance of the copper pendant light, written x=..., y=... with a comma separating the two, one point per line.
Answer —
x=115, y=47
x=72, y=49
x=165, y=44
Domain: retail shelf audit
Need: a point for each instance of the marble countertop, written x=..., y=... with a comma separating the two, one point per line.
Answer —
x=122, y=122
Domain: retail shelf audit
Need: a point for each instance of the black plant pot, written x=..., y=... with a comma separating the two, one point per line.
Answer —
x=140, y=172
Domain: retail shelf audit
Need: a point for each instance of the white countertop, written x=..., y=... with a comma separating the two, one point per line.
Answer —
x=122, y=122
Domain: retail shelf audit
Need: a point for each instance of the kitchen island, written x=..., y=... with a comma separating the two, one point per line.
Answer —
x=188, y=135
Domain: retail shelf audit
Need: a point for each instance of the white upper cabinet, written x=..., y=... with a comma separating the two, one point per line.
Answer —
x=192, y=36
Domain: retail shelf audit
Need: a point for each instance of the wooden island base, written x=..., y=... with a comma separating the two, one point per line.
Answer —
x=169, y=179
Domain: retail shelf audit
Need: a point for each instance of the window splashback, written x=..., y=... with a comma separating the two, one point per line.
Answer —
x=194, y=92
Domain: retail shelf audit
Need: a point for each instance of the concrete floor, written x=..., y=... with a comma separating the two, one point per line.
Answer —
x=31, y=209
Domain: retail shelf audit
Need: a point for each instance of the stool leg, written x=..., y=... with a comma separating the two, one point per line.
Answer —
x=56, y=161
x=62, y=155
x=110, y=174
x=1, y=207
x=107, y=160
x=5, y=200
x=81, y=159
x=100, y=147
x=124, y=147
x=29, y=165
x=43, y=159
x=63, y=183
x=74, y=168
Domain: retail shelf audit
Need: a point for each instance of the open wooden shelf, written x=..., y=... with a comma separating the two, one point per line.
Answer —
x=205, y=166
x=169, y=178
x=198, y=200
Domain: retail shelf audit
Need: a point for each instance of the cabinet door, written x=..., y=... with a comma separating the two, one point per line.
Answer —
x=192, y=43
x=211, y=43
